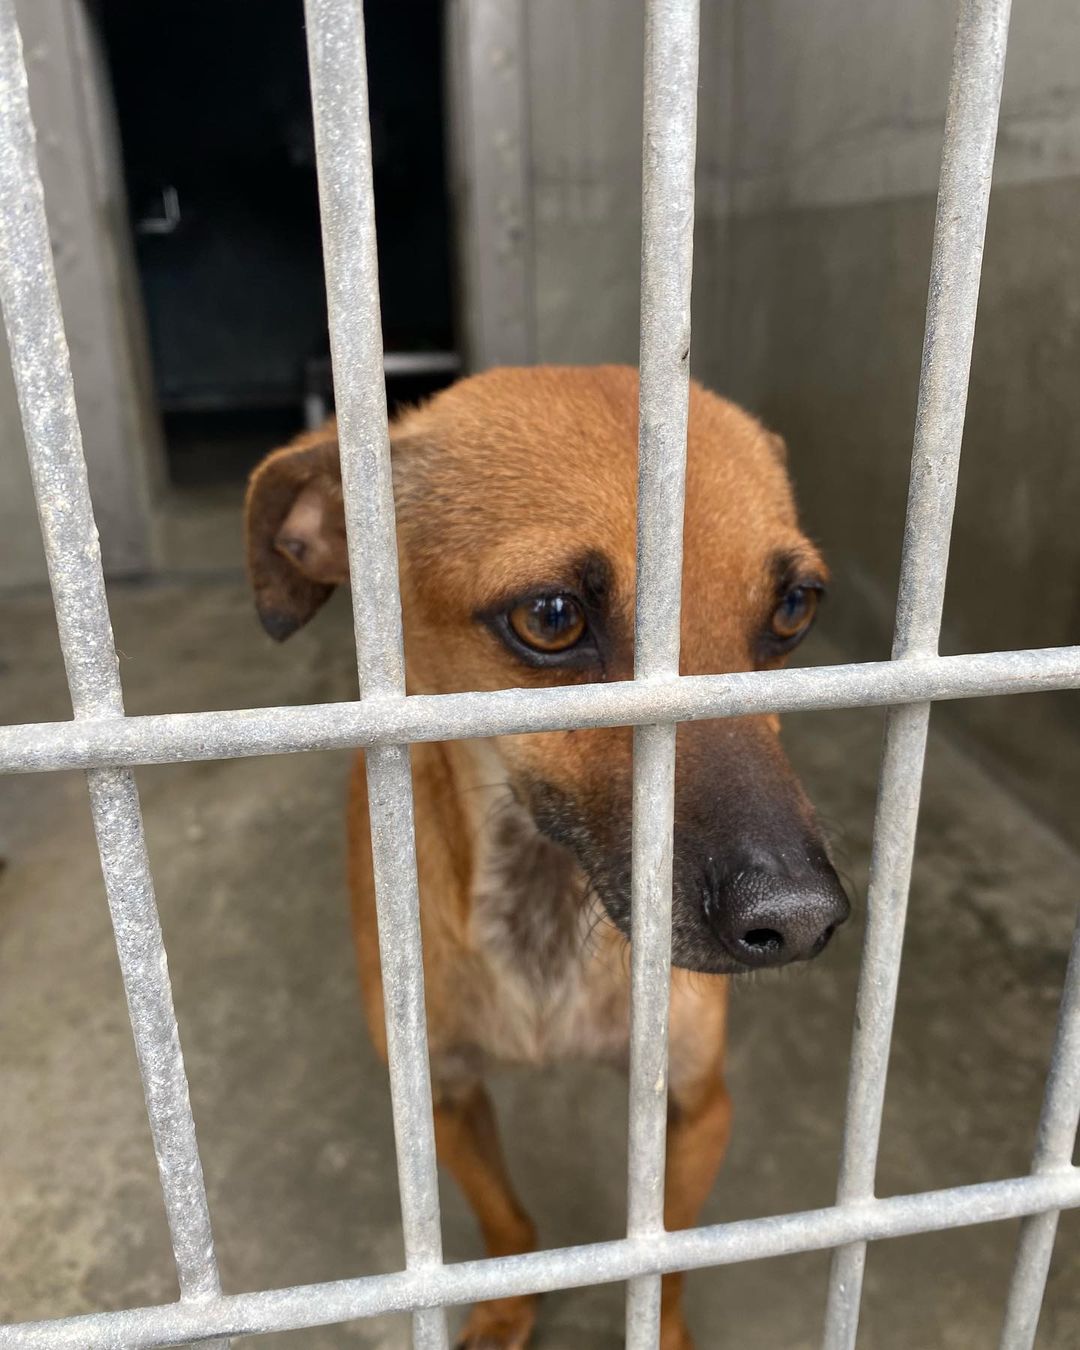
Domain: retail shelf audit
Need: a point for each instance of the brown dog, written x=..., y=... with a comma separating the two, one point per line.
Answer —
x=515, y=495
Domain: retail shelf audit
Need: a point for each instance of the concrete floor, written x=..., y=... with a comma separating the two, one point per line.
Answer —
x=293, y=1111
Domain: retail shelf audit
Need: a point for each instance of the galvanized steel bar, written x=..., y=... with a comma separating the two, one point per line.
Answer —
x=652, y=817
x=955, y=268
x=891, y=858
x=1054, y=1147
x=384, y=721
x=669, y=143
x=171, y=738
x=339, y=97
x=338, y=66
x=566, y=1268
x=42, y=370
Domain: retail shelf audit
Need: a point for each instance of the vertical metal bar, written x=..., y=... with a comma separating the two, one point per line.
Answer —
x=667, y=228
x=959, y=228
x=338, y=66
x=42, y=370
x=1054, y=1147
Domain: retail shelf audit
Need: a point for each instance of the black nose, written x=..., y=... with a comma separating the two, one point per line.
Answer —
x=765, y=918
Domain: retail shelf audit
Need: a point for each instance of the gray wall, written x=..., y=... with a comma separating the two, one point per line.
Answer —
x=820, y=132
x=84, y=195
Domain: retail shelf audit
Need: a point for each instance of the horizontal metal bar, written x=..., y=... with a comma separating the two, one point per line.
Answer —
x=1054, y=1147
x=669, y=141
x=960, y=225
x=42, y=370
x=339, y=96
x=564, y=1268
x=171, y=738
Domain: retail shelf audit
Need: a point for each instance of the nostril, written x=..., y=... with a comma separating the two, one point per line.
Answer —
x=823, y=941
x=764, y=941
x=765, y=918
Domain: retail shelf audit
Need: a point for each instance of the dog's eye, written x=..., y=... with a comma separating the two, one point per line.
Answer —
x=548, y=623
x=795, y=613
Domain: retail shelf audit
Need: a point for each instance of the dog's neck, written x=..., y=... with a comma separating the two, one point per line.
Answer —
x=527, y=894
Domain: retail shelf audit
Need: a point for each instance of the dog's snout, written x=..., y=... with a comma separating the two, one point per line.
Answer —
x=764, y=917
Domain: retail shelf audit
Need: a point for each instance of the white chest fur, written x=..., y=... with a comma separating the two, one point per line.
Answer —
x=554, y=976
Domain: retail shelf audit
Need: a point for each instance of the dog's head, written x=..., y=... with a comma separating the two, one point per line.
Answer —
x=516, y=505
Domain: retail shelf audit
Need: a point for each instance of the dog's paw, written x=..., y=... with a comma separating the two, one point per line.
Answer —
x=505, y=1324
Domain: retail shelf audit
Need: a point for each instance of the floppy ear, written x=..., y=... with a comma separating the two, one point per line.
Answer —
x=295, y=531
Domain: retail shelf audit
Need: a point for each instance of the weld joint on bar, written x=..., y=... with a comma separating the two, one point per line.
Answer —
x=382, y=696
x=658, y=679
x=860, y=1204
x=1055, y=1169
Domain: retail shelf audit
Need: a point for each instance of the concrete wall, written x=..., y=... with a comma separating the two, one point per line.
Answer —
x=820, y=133
x=84, y=195
x=828, y=254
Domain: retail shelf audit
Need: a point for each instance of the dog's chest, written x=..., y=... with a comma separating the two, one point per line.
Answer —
x=552, y=983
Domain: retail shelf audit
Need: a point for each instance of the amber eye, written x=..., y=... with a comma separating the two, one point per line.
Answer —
x=794, y=613
x=550, y=623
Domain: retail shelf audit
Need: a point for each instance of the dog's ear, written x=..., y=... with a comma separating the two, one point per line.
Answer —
x=295, y=531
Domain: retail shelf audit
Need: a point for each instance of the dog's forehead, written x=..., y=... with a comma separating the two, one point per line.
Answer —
x=527, y=471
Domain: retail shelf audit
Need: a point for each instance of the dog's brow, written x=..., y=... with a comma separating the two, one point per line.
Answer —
x=802, y=564
x=595, y=575
x=589, y=575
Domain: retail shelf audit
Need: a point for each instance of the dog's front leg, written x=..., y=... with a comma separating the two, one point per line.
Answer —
x=467, y=1142
x=699, y=1123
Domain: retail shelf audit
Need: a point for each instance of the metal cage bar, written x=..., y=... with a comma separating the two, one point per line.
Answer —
x=1054, y=1147
x=172, y=738
x=102, y=740
x=503, y=1277
x=669, y=138
x=46, y=393
x=338, y=67
x=963, y=198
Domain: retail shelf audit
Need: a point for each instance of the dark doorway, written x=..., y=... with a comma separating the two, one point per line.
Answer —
x=215, y=121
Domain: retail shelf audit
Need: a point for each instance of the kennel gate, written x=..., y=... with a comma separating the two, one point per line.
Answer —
x=383, y=721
